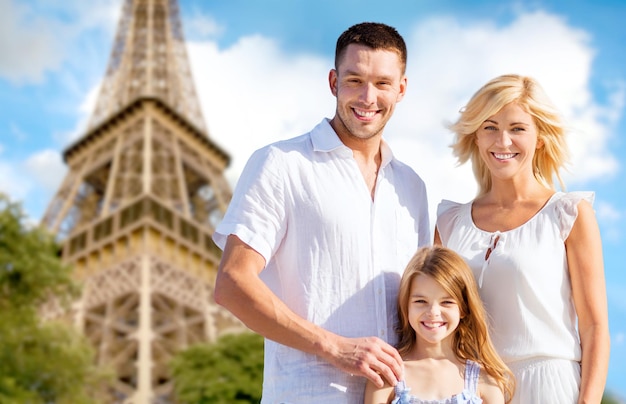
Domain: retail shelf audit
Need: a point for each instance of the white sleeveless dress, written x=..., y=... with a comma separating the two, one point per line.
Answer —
x=524, y=282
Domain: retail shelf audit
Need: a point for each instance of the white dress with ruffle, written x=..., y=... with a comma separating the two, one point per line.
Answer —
x=524, y=282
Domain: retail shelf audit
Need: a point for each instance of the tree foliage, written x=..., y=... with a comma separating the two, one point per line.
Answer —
x=609, y=398
x=229, y=371
x=30, y=270
x=40, y=362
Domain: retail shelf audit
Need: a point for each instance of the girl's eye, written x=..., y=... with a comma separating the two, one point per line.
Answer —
x=490, y=127
x=518, y=129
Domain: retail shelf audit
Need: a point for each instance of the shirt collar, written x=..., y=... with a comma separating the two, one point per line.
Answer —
x=325, y=139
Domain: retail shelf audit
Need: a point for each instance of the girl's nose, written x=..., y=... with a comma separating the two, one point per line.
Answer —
x=434, y=309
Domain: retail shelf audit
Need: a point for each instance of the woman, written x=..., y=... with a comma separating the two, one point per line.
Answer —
x=535, y=252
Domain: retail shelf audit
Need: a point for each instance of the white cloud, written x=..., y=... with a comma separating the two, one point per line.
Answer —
x=93, y=14
x=449, y=62
x=28, y=43
x=85, y=109
x=47, y=168
x=14, y=183
x=253, y=93
x=200, y=25
x=36, y=38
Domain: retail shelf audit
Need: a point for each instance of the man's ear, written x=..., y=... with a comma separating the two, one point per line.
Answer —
x=332, y=81
x=403, y=84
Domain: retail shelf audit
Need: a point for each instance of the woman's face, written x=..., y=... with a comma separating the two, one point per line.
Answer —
x=507, y=142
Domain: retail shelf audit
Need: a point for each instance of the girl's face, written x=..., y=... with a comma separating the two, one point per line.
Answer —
x=433, y=313
x=507, y=142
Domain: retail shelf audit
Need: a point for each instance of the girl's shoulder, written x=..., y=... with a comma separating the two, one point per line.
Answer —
x=375, y=395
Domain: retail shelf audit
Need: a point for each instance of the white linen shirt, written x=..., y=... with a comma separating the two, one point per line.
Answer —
x=333, y=255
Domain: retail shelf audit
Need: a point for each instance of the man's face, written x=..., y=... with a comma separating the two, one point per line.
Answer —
x=367, y=83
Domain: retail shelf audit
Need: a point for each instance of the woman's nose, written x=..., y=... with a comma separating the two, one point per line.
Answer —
x=504, y=138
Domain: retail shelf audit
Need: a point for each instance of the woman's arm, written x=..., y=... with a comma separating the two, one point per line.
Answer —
x=586, y=268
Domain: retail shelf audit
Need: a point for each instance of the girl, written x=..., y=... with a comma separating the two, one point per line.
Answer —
x=448, y=355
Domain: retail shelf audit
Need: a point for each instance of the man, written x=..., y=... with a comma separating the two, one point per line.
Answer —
x=319, y=231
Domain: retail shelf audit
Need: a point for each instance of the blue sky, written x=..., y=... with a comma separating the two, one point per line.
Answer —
x=261, y=70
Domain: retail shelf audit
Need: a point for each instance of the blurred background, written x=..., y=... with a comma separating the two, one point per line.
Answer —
x=261, y=68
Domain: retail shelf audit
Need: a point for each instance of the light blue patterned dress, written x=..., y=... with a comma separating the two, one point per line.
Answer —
x=469, y=394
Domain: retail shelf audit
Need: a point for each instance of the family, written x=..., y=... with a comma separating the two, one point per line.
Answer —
x=328, y=253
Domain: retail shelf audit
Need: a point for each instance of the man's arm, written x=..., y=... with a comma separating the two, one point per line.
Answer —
x=239, y=289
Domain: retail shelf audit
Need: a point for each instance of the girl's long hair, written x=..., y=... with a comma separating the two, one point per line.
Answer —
x=471, y=337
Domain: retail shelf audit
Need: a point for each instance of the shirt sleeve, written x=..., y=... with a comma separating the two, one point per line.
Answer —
x=257, y=214
x=567, y=210
x=447, y=215
x=424, y=230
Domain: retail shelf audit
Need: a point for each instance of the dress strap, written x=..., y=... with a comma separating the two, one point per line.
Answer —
x=472, y=373
x=403, y=395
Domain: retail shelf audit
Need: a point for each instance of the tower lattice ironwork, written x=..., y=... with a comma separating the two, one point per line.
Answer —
x=144, y=190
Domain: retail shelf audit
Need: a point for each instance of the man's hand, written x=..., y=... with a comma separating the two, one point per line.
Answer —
x=369, y=357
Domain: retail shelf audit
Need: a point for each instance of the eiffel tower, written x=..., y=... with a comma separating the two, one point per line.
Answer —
x=144, y=191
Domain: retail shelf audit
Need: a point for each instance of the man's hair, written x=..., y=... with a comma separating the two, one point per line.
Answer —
x=373, y=35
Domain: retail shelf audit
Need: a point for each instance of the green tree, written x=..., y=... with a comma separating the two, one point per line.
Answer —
x=229, y=371
x=40, y=362
x=609, y=398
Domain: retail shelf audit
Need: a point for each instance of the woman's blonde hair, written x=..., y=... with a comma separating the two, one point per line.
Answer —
x=471, y=337
x=529, y=95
